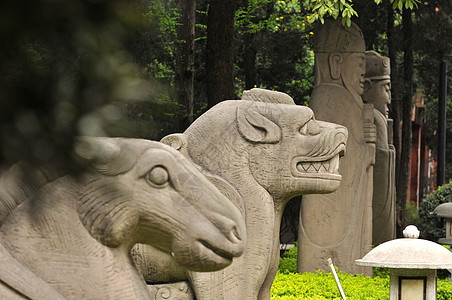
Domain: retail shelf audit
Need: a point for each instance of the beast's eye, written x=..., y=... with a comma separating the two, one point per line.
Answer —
x=310, y=128
x=158, y=176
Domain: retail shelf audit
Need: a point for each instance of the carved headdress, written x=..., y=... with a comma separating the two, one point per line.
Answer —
x=377, y=66
x=332, y=36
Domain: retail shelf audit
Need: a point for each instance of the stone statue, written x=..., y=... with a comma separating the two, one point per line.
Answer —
x=71, y=239
x=259, y=151
x=339, y=225
x=377, y=91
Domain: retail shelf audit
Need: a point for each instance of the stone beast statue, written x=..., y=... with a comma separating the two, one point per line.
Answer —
x=268, y=150
x=72, y=238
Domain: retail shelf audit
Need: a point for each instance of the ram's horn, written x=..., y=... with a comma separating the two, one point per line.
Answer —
x=96, y=150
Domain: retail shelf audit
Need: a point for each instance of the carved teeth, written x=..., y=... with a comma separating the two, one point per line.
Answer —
x=334, y=167
x=311, y=169
x=317, y=166
x=330, y=166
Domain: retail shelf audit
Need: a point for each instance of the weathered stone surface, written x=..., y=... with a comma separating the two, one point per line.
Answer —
x=18, y=183
x=377, y=91
x=260, y=152
x=72, y=238
x=339, y=225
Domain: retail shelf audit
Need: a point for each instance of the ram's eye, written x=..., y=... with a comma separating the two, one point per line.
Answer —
x=158, y=176
x=310, y=128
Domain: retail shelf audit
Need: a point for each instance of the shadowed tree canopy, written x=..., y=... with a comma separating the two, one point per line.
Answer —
x=220, y=51
x=62, y=64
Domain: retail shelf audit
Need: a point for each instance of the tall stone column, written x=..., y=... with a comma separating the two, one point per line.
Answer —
x=338, y=225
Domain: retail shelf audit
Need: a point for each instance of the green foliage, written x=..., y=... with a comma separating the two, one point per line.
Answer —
x=268, y=27
x=431, y=227
x=380, y=272
x=400, y=4
x=254, y=17
x=344, y=9
x=164, y=19
x=290, y=285
x=321, y=285
x=332, y=8
x=444, y=290
x=288, y=263
x=271, y=16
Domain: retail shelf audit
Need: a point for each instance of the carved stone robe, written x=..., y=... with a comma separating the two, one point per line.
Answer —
x=383, y=202
x=338, y=225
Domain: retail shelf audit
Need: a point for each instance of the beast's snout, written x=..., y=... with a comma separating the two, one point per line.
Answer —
x=333, y=138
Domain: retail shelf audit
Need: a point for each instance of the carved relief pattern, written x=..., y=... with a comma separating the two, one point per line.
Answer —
x=171, y=291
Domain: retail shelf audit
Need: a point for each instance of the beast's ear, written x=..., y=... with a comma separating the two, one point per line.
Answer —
x=255, y=127
x=177, y=141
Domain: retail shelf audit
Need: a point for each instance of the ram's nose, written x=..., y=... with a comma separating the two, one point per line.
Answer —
x=234, y=232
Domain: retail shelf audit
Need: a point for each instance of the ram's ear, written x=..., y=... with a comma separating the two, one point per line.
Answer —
x=177, y=141
x=256, y=127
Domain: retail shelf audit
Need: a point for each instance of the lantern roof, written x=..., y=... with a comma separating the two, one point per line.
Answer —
x=408, y=253
x=443, y=210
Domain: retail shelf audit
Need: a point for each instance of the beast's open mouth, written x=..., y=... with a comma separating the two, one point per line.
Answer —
x=326, y=167
x=329, y=166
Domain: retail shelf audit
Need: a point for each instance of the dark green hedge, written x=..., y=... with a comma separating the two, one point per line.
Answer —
x=290, y=285
x=321, y=285
x=431, y=227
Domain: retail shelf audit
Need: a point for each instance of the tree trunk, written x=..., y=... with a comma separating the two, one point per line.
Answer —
x=220, y=51
x=250, y=61
x=185, y=54
x=407, y=106
x=396, y=103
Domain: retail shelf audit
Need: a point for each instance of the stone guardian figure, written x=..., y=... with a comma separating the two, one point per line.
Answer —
x=377, y=91
x=339, y=225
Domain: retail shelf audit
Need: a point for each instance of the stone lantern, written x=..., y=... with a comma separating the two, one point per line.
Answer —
x=413, y=263
x=445, y=211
